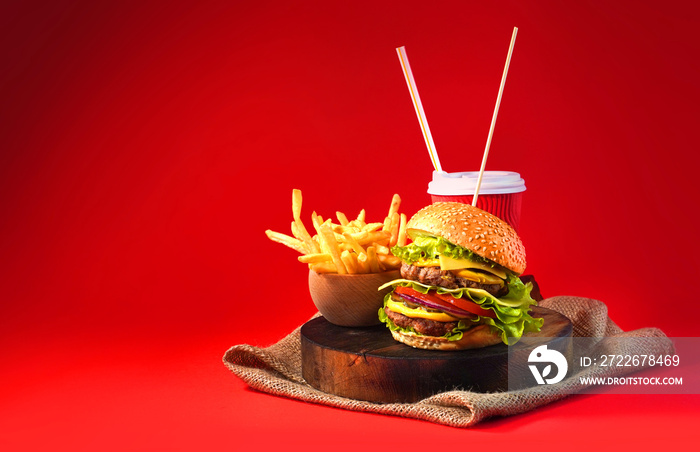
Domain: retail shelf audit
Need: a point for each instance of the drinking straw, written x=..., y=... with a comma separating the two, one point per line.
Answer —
x=495, y=113
x=422, y=120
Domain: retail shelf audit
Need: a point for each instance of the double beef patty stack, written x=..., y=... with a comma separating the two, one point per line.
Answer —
x=460, y=287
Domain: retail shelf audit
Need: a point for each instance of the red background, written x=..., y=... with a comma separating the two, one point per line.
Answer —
x=146, y=146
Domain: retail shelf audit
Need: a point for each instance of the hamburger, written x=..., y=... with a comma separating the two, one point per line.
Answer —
x=460, y=286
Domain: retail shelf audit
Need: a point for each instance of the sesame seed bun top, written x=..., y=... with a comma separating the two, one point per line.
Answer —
x=484, y=234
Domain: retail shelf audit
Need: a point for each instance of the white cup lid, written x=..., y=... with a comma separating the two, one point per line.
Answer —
x=492, y=183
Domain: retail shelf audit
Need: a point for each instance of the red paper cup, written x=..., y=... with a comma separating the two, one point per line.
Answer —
x=501, y=192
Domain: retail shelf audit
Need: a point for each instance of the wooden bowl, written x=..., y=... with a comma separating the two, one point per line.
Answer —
x=350, y=300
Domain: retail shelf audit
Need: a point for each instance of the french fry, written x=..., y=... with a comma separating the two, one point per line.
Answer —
x=286, y=240
x=359, y=236
x=296, y=204
x=370, y=227
x=376, y=236
x=328, y=236
x=394, y=229
x=306, y=238
x=363, y=263
x=372, y=259
x=401, y=241
x=353, y=226
x=395, y=204
x=361, y=216
x=389, y=260
x=387, y=224
x=315, y=258
x=316, y=220
x=301, y=229
x=381, y=249
x=350, y=261
x=323, y=245
x=323, y=267
x=342, y=219
x=350, y=240
x=339, y=229
x=342, y=246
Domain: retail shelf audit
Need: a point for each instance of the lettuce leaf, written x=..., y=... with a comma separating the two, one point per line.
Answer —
x=430, y=247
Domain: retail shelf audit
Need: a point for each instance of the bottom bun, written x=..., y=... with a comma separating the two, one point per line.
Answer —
x=477, y=337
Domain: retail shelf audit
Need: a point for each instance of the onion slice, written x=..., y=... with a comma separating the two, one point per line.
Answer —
x=446, y=308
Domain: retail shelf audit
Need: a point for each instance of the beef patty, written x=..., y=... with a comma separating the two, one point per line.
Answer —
x=425, y=327
x=435, y=276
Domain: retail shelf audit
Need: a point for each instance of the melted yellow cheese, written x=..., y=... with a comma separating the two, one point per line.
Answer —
x=427, y=263
x=419, y=313
x=447, y=263
x=480, y=277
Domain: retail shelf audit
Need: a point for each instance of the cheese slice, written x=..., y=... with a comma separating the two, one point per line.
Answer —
x=480, y=277
x=427, y=263
x=447, y=263
x=419, y=313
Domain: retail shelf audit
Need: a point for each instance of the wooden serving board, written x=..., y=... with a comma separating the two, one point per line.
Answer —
x=368, y=364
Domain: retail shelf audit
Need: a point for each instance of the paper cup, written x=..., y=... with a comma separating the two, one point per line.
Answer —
x=501, y=192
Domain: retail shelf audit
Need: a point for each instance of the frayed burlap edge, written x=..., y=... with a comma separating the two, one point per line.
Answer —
x=277, y=370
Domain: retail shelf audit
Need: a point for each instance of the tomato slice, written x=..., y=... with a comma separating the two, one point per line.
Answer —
x=467, y=305
x=446, y=300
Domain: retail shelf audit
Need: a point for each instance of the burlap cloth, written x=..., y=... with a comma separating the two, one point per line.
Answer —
x=277, y=370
